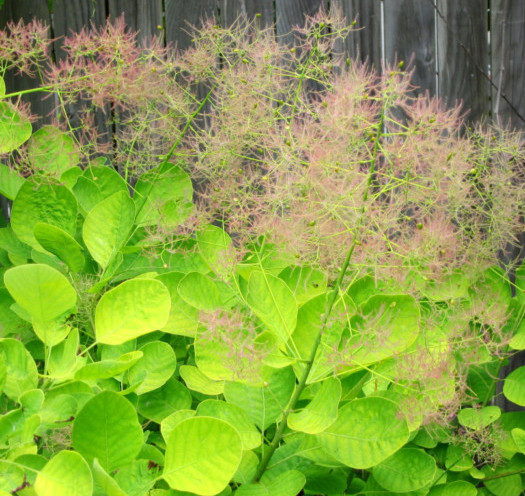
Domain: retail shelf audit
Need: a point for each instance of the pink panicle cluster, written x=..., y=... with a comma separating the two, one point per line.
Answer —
x=293, y=142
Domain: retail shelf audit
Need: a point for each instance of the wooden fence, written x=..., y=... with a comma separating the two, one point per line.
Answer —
x=461, y=50
x=471, y=51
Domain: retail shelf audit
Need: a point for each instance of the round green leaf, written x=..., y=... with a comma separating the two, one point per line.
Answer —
x=52, y=151
x=183, y=319
x=263, y=404
x=49, y=203
x=10, y=182
x=163, y=195
x=272, y=301
x=478, y=418
x=45, y=294
x=107, y=227
x=21, y=373
x=154, y=369
x=382, y=327
x=66, y=474
x=197, y=381
x=518, y=436
x=200, y=291
x=366, y=432
x=108, y=368
x=15, y=129
x=214, y=246
x=250, y=436
x=60, y=243
x=168, y=423
x=321, y=412
x=407, y=470
x=107, y=428
x=305, y=282
x=514, y=386
x=456, y=488
x=96, y=184
x=133, y=308
x=105, y=481
x=202, y=456
x=157, y=405
x=457, y=459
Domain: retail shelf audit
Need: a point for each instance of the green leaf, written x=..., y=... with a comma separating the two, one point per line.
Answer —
x=66, y=474
x=108, y=226
x=407, y=470
x=264, y=404
x=157, y=405
x=96, y=184
x=272, y=301
x=10, y=182
x=215, y=247
x=202, y=455
x=134, y=308
x=478, y=418
x=250, y=436
x=383, y=326
x=168, y=423
x=183, y=319
x=105, y=481
x=456, y=488
x=108, y=368
x=163, y=196
x=518, y=436
x=321, y=412
x=137, y=478
x=305, y=282
x=107, y=428
x=20, y=368
x=52, y=151
x=154, y=369
x=287, y=483
x=197, y=381
x=200, y=291
x=49, y=203
x=457, y=460
x=15, y=129
x=247, y=469
x=514, y=386
x=46, y=295
x=366, y=432
x=60, y=243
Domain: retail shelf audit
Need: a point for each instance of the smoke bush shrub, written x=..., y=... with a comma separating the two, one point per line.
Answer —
x=282, y=273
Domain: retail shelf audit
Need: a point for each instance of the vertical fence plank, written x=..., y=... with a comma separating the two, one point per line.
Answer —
x=182, y=14
x=143, y=16
x=73, y=15
x=508, y=70
x=463, y=55
x=290, y=13
x=14, y=10
x=364, y=44
x=410, y=37
x=230, y=10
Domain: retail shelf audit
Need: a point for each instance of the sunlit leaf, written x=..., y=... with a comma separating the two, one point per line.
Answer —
x=366, y=432
x=154, y=369
x=107, y=428
x=202, y=455
x=273, y=302
x=66, y=474
x=52, y=151
x=20, y=368
x=133, y=308
x=15, y=129
x=49, y=203
x=407, y=470
x=321, y=412
x=107, y=227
